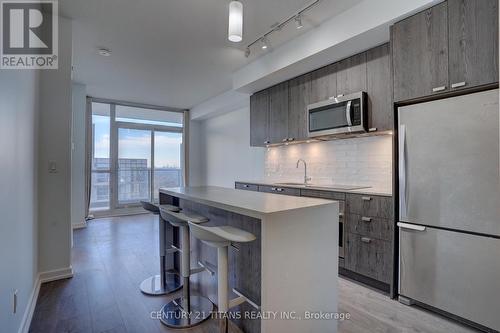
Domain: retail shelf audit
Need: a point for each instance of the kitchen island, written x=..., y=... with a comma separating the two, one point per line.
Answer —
x=290, y=270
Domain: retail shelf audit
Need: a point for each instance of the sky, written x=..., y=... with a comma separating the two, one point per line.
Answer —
x=137, y=144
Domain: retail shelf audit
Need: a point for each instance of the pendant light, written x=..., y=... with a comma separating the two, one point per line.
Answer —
x=235, y=29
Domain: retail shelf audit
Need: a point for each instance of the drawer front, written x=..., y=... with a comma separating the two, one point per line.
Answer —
x=369, y=205
x=341, y=262
x=245, y=186
x=279, y=190
x=369, y=256
x=322, y=194
x=374, y=227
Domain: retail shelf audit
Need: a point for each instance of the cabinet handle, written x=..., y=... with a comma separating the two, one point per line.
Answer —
x=279, y=189
x=290, y=139
x=245, y=185
x=284, y=140
x=366, y=198
x=273, y=188
x=458, y=84
x=266, y=142
x=437, y=89
x=366, y=219
x=341, y=214
x=366, y=240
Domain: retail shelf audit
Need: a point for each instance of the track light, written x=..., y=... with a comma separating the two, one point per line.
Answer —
x=265, y=45
x=296, y=17
x=298, y=21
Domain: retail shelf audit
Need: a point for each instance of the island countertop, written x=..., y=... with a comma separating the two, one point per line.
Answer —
x=243, y=202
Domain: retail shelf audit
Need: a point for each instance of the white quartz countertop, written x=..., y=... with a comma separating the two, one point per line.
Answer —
x=367, y=190
x=244, y=202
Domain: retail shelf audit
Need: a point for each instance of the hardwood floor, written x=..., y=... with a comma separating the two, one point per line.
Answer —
x=113, y=255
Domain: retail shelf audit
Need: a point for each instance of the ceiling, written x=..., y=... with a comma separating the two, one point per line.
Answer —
x=174, y=52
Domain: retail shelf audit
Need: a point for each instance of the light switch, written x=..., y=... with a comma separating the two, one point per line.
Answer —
x=52, y=167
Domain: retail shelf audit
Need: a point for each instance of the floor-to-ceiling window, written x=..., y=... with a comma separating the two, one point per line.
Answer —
x=136, y=150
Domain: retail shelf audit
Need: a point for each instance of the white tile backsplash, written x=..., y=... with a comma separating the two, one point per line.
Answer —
x=360, y=161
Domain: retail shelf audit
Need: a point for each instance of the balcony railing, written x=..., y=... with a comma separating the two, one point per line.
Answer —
x=133, y=185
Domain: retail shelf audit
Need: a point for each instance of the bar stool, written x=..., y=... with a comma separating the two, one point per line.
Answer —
x=164, y=283
x=222, y=237
x=188, y=310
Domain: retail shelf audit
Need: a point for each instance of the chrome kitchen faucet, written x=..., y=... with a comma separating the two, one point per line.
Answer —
x=306, y=179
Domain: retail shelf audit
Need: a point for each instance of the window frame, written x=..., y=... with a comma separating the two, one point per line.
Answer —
x=116, y=208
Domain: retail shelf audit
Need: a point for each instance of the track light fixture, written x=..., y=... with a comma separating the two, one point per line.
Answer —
x=265, y=45
x=297, y=17
x=298, y=21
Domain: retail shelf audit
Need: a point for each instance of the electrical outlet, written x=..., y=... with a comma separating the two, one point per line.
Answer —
x=14, y=301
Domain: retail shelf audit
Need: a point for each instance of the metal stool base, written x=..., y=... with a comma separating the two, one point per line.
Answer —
x=176, y=314
x=152, y=285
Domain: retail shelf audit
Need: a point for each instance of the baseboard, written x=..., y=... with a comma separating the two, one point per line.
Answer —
x=42, y=277
x=79, y=225
x=30, y=307
x=56, y=274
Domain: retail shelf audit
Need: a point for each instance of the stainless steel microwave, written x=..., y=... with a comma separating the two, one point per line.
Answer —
x=338, y=115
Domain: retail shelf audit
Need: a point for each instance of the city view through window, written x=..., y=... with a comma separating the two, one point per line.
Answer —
x=148, y=156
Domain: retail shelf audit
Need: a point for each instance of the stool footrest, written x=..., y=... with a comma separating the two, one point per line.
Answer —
x=204, y=266
x=173, y=249
x=240, y=300
x=172, y=271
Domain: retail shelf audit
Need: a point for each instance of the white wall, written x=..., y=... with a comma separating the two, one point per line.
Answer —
x=18, y=192
x=224, y=154
x=54, y=144
x=79, y=95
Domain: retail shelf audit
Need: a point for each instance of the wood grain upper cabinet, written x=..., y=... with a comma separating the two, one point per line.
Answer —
x=298, y=99
x=473, y=42
x=259, y=119
x=278, y=113
x=351, y=74
x=379, y=88
x=323, y=84
x=420, y=54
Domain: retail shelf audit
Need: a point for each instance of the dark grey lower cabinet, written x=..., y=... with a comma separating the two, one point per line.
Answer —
x=245, y=186
x=370, y=257
x=373, y=227
x=279, y=190
x=368, y=232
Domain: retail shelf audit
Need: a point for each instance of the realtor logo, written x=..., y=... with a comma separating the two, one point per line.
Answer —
x=29, y=36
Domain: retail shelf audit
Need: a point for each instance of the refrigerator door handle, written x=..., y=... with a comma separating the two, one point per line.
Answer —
x=411, y=226
x=402, y=173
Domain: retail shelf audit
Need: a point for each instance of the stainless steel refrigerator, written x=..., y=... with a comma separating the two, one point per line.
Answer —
x=449, y=204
